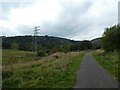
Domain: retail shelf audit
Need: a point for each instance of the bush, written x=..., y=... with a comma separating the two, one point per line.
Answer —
x=41, y=53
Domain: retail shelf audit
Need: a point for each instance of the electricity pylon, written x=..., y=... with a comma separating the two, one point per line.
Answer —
x=36, y=29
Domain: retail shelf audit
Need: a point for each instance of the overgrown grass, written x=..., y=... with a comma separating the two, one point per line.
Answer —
x=15, y=56
x=49, y=72
x=109, y=61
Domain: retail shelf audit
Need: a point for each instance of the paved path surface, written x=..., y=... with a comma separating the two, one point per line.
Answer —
x=92, y=75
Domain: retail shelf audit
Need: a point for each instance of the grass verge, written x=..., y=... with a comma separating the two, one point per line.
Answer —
x=108, y=61
x=52, y=73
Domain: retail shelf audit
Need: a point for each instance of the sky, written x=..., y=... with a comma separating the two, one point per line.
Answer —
x=71, y=19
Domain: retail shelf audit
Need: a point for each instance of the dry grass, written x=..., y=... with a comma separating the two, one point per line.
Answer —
x=16, y=56
x=47, y=72
x=61, y=56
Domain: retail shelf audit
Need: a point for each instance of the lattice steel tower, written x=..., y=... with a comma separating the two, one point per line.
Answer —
x=36, y=29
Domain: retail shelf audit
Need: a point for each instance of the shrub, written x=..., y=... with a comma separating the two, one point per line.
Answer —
x=41, y=53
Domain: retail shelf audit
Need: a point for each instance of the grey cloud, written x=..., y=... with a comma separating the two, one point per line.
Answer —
x=72, y=23
x=68, y=23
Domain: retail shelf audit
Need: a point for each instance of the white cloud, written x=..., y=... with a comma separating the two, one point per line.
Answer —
x=99, y=16
x=66, y=18
x=36, y=14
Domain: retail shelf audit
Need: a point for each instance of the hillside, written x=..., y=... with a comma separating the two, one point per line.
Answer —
x=44, y=42
x=29, y=40
x=96, y=42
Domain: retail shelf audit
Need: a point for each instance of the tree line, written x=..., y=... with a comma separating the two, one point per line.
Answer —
x=49, y=44
x=46, y=44
x=111, y=39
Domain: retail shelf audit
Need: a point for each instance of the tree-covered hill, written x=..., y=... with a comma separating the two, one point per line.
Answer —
x=96, y=43
x=47, y=43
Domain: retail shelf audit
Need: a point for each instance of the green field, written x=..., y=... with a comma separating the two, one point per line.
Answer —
x=16, y=56
x=109, y=61
x=48, y=72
